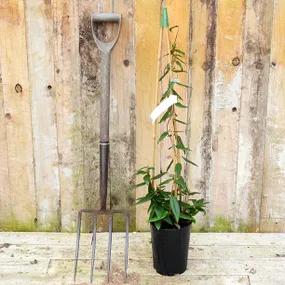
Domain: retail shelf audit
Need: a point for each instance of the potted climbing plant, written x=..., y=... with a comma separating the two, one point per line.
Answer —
x=172, y=206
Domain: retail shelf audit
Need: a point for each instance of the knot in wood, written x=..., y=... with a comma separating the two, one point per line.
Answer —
x=18, y=88
x=236, y=61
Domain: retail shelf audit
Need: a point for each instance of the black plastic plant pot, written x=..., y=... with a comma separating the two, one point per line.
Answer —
x=170, y=249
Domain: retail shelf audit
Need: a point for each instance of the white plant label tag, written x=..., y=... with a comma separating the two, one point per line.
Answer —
x=162, y=107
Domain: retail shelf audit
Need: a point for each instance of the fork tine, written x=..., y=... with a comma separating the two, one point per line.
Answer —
x=109, y=247
x=127, y=217
x=93, y=248
x=77, y=245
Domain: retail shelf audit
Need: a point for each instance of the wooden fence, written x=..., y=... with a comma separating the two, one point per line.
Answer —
x=49, y=109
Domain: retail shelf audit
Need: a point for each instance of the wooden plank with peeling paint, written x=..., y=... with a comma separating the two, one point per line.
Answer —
x=17, y=99
x=226, y=108
x=68, y=108
x=273, y=194
x=122, y=117
x=39, y=23
x=256, y=56
x=197, y=239
x=197, y=50
x=146, y=32
x=5, y=197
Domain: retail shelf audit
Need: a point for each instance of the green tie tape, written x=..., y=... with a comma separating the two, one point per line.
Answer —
x=164, y=22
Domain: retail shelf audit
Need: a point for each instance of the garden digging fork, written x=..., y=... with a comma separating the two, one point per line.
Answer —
x=106, y=48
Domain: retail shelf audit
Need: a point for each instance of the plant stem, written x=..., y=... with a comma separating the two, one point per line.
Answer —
x=176, y=152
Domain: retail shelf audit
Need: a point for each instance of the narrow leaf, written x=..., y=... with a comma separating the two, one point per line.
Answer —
x=163, y=136
x=158, y=175
x=180, y=105
x=178, y=168
x=186, y=217
x=181, y=122
x=138, y=185
x=166, y=115
x=157, y=225
x=189, y=161
x=169, y=165
x=175, y=207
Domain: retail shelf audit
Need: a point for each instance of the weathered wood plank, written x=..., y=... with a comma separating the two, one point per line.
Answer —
x=13, y=58
x=141, y=250
x=39, y=23
x=68, y=99
x=197, y=50
x=197, y=239
x=257, y=36
x=226, y=108
x=118, y=279
x=146, y=32
x=273, y=195
x=122, y=117
x=230, y=261
x=207, y=133
x=195, y=267
x=5, y=196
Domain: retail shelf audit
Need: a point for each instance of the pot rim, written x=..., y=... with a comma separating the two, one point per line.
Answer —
x=171, y=229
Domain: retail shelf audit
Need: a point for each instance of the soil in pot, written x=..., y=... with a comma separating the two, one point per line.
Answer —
x=170, y=248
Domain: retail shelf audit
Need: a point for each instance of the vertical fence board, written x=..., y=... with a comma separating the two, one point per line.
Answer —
x=273, y=199
x=147, y=31
x=257, y=36
x=198, y=30
x=5, y=197
x=209, y=67
x=122, y=116
x=147, y=41
x=13, y=58
x=68, y=97
x=90, y=93
x=226, y=106
x=39, y=23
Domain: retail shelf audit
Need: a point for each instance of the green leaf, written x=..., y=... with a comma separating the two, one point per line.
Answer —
x=175, y=93
x=180, y=105
x=194, y=193
x=158, y=175
x=157, y=225
x=182, y=184
x=144, y=199
x=138, y=185
x=146, y=179
x=168, y=220
x=165, y=72
x=166, y=181
x=181, y=122
x=180, y=51
x=160, y=212
x=189, y=161
x=155, y=219
x=181, y=84
x=163, y=136
x=169, y=165
x=166, y=115
x=186, y=217
x=179, y=143
x=175, y=207
x=178, y=169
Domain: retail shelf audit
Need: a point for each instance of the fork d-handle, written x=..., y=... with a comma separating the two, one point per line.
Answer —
x=104, y=128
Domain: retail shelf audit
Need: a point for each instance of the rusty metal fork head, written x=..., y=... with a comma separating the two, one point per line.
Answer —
x=95, y=214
